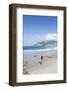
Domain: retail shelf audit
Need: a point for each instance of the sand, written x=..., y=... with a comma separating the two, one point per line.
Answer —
x=32, y=62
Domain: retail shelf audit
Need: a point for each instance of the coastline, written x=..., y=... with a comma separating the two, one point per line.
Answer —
x=37, y=50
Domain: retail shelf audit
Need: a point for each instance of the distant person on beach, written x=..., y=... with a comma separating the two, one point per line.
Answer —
x=41, y=60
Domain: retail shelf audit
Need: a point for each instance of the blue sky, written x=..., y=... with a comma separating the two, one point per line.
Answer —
x=38, y=28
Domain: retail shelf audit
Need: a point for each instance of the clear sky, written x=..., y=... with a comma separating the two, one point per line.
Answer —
x=37, y=28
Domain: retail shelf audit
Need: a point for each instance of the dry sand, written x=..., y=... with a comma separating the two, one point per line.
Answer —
x=49, y=63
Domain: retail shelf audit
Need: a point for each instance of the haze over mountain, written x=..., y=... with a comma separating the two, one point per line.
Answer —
x=42, y=45
x=46, y=43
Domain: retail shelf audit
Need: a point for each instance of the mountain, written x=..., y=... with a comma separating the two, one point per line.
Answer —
x=46, y=43
x=42, y=45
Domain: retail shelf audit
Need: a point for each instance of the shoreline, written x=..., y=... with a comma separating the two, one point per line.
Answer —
x=37, y=50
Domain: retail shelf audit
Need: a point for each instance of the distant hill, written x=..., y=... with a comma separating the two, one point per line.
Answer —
x=42, y=45
x=46, y=43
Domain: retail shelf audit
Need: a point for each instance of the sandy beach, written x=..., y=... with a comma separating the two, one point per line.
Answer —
x=32, y=65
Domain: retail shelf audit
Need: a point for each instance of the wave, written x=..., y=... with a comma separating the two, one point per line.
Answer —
x=37, y=50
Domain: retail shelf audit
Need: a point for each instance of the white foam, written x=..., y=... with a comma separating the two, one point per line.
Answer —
x=37, y=50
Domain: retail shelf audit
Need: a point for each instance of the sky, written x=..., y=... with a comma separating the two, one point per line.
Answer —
x=39, y=28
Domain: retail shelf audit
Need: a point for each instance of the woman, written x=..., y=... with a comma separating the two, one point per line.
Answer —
x=41, y=60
